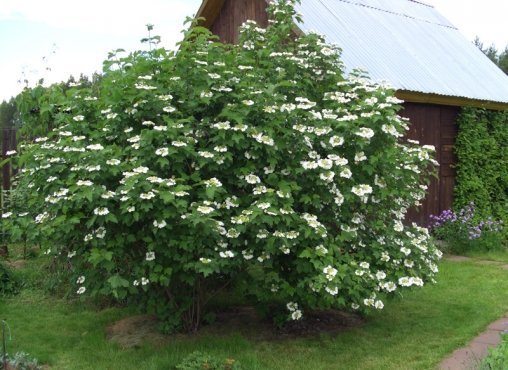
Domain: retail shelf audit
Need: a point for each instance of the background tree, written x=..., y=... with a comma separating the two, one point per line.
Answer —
x=499, y=58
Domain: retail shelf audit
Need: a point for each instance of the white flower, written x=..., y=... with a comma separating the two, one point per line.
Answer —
x=80, y=280
x=380, y=275
x=205, y=261
x=227, y=254
x=140, y=169
x=346, y=173
x=360, y=156
x=327, y=176
x=81, y=290
x=71, y=254
x=406, y=251
x=88, y=237
x=95, y=147
x=330, y=272
x=178, y=143
x=378, y=305
x=309, y=165
x=10, y=152
x=113, y=162
x=248, y=102
x=163, y=152
x=131, y=209
x=398, y=226
x=93, y=168
x=252, y=179
x=405, y=281
x=148, y=195
x=134, y=139
x=222, y=125
x=292, y=306
x=364, y=265
x=213, y=182
x=389, y=286
x=205, y=210
x=160, y=224
x=361, y=190
x=84, y=183
x=101, y=211
x=155, y=180
x=263, y=205
x=365, y=132
x=144, y=281
x=409, y=263
x=160, y=128
x=108, y=195
x=206, y=154
x=336, y=141
x=100, y=232
x=296, y=315
x=221, y=149
x=7, y=215
x=321, y=249
x=150, y=256
x=78, y=118
x=135, y=283
x=325, y=164
x=333, y=291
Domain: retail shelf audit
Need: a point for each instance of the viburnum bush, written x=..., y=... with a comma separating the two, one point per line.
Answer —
x=259, y=164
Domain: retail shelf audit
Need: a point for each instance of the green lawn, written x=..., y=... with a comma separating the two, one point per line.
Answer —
x=411, y=333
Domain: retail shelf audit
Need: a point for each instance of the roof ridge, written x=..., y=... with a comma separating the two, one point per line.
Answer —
x=357, y=3
x=422, y=3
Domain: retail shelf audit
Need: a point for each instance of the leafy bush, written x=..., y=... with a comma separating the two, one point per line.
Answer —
x=482, y=175
x=23, y=361
x=200, y=361
x=257, y=163
x=9, y=283
x=464, y=231
x=498, y=357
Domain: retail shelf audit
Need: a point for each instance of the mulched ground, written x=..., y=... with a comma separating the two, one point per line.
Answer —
x=133, y=331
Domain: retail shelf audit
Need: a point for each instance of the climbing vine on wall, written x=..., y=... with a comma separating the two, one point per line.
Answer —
x=482, y=169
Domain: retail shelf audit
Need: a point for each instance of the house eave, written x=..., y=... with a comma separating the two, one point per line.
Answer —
x=209, y=10
x=456, y=101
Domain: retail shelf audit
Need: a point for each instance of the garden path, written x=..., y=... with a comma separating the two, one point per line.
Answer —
x=469, y=357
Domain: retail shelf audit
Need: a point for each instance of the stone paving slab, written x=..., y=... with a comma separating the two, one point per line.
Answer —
x=499, y=325
x=468, y=357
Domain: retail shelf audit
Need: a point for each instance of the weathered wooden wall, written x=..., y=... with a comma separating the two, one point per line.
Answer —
x=234, y=13
x=435, y=125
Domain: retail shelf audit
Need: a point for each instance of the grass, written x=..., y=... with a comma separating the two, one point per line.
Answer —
x=416, y=332
x=496, y=255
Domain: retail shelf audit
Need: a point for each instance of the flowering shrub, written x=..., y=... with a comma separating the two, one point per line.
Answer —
x=463, y=231
x=258, y=163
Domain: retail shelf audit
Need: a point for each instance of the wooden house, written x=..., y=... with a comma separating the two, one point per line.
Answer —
x=435, y=69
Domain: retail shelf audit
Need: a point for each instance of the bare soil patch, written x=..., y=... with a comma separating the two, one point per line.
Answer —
x=135, y=330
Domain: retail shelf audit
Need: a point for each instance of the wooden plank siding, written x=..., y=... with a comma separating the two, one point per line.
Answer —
x=234, y=13
x=435, y=125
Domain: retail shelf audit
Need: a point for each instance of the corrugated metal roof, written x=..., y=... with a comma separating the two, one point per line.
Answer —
x=407, y=43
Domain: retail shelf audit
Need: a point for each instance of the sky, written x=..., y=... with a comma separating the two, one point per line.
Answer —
x=53, y=39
